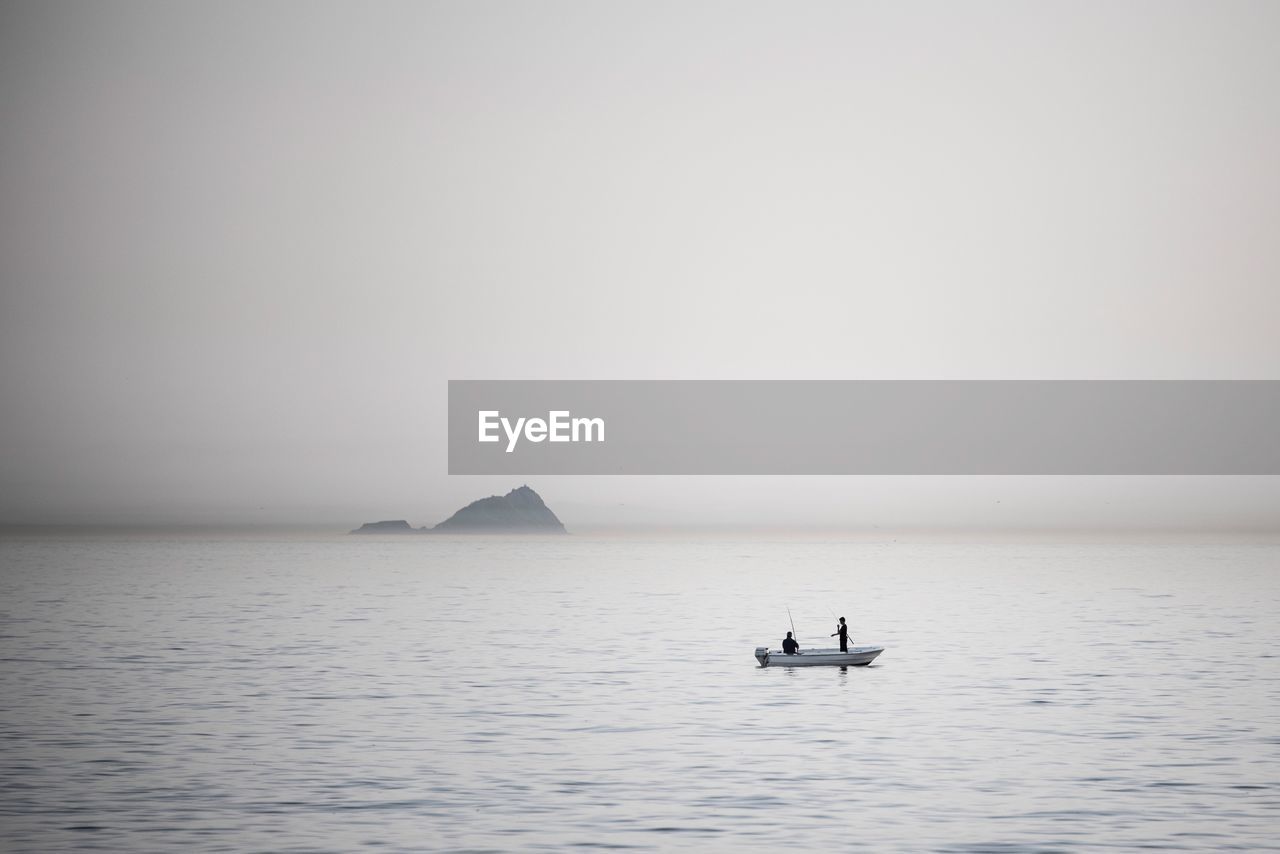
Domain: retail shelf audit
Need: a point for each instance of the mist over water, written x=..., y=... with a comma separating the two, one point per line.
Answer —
x=282, y=229
x=324, y=693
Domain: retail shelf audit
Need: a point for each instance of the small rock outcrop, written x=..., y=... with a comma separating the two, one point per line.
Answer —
x=393, y=526
x=520, y=510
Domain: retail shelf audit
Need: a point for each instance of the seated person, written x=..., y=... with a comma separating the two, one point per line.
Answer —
x=789, y=645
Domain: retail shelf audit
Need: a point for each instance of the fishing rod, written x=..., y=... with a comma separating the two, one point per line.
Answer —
x=794, y=636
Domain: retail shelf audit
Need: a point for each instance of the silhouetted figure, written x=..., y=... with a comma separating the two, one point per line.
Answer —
x=843, y=631
x=789, y=645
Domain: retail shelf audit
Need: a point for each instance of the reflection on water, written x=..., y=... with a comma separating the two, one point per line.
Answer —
x=498, y=695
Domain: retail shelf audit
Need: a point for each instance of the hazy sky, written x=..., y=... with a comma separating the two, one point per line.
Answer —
x=243, y=246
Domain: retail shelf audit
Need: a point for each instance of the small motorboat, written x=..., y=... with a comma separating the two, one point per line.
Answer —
x=857, y=656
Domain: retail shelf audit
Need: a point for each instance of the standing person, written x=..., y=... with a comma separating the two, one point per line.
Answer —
x=843, y=631
x=789, y=645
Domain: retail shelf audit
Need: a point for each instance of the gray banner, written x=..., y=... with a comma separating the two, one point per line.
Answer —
x=863, y=427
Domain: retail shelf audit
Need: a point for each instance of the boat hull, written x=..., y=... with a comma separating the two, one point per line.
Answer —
x=857, y=656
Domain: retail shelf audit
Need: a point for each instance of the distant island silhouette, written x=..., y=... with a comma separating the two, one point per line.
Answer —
x=391, y=526
x=519, y=511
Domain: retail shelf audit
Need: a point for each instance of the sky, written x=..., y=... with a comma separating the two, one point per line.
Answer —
x=244, y=246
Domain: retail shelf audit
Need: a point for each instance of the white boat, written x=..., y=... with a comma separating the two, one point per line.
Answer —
x=857, y=656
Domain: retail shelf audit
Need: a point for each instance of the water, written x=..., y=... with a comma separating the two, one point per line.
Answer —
x=456, y=694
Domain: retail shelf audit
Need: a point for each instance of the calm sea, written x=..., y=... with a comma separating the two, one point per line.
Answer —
x=330, y=693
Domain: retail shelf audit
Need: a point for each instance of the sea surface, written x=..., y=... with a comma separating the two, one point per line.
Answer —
x=314, y=693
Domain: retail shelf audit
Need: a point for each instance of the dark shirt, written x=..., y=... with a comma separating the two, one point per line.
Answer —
x=790, y=647
x=844, y=631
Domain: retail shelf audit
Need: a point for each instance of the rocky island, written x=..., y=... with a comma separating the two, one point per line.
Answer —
x=395, y=526
x=520, y=511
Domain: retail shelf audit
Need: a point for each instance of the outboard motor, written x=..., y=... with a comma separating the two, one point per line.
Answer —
x=762, y=655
